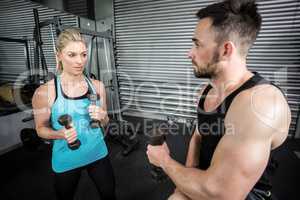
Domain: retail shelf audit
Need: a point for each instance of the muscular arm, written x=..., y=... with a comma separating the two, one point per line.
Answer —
x=193, y=155
x=100, y=88
x=252, y=124
x=41, y=110
x=192, y=159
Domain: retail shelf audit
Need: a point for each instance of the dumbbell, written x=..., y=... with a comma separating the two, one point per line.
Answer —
x=157, y=137
x=94, y=123
x=66, y=121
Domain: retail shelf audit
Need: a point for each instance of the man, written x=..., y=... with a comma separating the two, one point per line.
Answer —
x=242, y=117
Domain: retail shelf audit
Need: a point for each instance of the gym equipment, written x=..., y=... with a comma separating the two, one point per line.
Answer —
x=157, y=137
x=121, y=133
x=39, y=56
x=66, y=121
x=94, y=123
x=18, y=95
x=124, y=133
x=30, y=139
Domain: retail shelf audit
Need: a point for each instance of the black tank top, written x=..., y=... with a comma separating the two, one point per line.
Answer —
x=211, y=127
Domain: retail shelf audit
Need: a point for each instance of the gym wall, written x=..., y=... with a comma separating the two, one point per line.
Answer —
x=17, y=21
x=154, y=37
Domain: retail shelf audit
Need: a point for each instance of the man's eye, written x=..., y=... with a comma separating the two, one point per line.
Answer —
x=71, y=54
x=84, y=54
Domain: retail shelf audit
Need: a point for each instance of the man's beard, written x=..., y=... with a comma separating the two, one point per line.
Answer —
x=210, y=70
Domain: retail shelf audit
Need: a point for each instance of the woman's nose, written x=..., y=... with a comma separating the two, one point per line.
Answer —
x=79, y=60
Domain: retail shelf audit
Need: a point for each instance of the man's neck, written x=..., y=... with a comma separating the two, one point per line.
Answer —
x=231, y=78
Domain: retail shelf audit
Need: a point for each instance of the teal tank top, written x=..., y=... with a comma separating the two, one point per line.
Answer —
x=92, y=146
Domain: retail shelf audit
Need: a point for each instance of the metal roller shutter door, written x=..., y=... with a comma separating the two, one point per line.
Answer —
x=16, y=21
x=152, y=41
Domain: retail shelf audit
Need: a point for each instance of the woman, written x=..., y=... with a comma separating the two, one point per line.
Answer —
x=68, y=94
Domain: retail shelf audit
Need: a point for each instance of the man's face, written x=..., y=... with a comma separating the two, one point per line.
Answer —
x=204, y=53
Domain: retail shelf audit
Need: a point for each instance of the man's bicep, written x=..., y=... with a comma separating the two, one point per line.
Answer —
x=238, y=163
x=243, y=152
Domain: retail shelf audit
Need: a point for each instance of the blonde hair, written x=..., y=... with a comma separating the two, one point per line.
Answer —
x=66, y=36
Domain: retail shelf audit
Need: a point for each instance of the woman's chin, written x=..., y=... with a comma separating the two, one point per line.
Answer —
x=77, y=73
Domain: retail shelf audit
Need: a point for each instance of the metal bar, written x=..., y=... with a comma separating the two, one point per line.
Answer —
x=6, y=39
x=44, y=64
x=90, y=51
x=37, y=38
x=91, y=33
x=48, y=22
x=27, y=60
x=115, y=80
x=97, y=59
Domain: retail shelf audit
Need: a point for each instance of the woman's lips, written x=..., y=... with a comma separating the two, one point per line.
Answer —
x=78, y=68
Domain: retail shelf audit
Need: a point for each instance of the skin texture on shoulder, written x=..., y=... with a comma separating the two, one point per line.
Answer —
x=268, y=110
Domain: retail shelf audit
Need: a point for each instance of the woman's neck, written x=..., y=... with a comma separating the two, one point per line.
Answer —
x=68, y=78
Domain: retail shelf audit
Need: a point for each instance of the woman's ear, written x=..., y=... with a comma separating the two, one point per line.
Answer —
x=58, y=56
x=59, y=66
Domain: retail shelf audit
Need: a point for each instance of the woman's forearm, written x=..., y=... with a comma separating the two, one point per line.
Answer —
x=49, y=133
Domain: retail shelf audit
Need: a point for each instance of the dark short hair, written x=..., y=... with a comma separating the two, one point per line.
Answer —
x=239, y=17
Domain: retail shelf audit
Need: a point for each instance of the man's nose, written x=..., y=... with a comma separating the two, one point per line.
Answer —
x=190, y=54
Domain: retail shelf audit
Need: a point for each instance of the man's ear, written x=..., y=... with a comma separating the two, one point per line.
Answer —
x=227, y=50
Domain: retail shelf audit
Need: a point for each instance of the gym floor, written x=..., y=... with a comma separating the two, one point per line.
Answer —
x=27, y=175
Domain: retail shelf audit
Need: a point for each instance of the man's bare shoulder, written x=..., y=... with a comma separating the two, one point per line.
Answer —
x=262, y=108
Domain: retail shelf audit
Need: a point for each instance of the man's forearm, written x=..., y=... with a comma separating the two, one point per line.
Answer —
x=189, y=181
x=192, y=159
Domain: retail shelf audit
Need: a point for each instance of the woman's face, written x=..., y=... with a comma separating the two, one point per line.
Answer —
x=73, y=57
